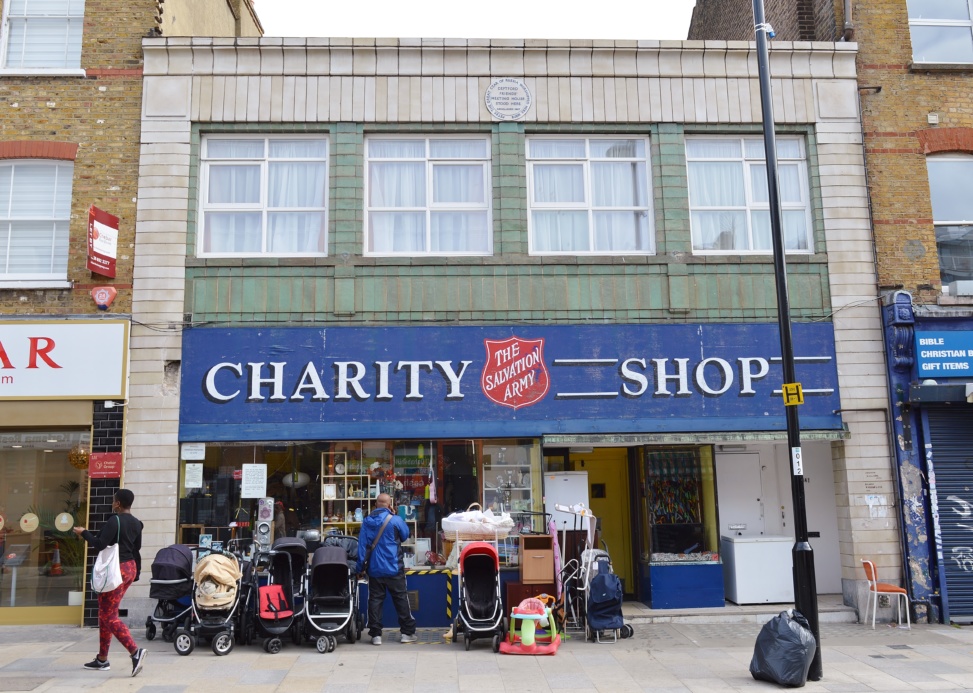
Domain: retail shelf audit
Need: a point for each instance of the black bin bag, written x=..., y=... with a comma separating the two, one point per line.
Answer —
x=784, y=650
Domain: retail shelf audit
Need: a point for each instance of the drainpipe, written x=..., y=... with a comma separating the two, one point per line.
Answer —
x=849, y=30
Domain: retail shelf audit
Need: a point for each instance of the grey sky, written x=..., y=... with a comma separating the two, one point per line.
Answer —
x=603, y=19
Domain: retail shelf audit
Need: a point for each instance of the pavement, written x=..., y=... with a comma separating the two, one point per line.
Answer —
x=673, y=656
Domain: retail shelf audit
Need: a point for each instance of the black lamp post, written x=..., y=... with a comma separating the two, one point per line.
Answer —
x=805, y=588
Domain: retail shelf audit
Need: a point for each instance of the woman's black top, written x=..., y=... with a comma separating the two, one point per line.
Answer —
x=129, y=538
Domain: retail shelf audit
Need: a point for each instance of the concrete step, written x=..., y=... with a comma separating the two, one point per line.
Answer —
x=830, y=610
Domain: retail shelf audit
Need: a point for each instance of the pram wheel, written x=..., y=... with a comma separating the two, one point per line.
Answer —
x=184, y=642
x=273, y=645
x=496, y=643
x=350, y=632
x=169, y=632
x=222, y=644
x=628, y=631
x=149, y=630
x=322, y=644
x=467, y=640
x=359, y=626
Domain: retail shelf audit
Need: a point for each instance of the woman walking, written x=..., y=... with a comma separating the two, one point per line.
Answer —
x=124, y=529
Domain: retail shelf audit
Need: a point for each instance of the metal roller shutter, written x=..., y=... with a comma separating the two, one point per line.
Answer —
x=951, y=432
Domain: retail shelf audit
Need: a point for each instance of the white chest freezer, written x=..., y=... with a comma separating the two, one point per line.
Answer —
x=758, y=570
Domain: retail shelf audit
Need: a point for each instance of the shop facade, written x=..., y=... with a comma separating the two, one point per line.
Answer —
x=60, y=453
x=496, y=263
x=931, y=379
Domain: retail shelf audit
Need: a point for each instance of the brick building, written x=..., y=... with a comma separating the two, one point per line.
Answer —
x=71, y=88
x=915, y=73
x=558, y=206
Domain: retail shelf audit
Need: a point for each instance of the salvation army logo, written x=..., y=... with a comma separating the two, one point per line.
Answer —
x=515, y=375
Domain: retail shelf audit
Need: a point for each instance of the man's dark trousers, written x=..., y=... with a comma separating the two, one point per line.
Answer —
x=396, y=586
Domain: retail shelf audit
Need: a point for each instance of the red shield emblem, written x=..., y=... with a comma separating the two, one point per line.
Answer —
x=515, y=374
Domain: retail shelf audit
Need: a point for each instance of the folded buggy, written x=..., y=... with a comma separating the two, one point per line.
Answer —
x=332, y=595
x=280, y=602
x=480, y=610
x=216, y=596
x=172, y=588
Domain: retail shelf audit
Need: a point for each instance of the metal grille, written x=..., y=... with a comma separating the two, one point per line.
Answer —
x=414, y=600
x=951, y=431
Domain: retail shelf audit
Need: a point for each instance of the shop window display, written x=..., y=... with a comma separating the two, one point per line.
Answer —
x=681, y=503
x=43, y=494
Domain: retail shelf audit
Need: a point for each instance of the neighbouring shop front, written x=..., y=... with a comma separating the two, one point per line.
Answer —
x=931, y=374
x=51, y=374
x=647, y=425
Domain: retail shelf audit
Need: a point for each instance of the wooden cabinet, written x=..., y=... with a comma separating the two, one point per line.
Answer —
x=536, y=559
x=518, y=592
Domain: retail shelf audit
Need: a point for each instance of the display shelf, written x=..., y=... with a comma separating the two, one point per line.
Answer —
x=508, y=483
x=346, y=493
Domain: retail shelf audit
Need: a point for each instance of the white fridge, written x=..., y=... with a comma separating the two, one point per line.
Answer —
x=757, y=570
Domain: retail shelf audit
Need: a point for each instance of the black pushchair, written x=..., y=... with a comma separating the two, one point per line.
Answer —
x=280, y=602
x=217, y=589
x=172, y=588
x=480, y=610
x=332, y=595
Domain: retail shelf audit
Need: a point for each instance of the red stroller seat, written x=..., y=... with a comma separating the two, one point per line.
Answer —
x=273, y=603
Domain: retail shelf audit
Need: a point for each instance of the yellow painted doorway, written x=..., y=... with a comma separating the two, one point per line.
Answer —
x=608, y=498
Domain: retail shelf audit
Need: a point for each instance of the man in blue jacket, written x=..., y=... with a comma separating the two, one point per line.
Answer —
x=385, y=568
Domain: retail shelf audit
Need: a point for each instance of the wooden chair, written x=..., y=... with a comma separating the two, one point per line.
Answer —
x=876, y=588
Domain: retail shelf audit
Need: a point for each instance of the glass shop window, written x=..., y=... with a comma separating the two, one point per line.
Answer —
x=680, y=495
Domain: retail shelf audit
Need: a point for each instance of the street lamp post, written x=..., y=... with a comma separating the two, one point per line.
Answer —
x=805, y=588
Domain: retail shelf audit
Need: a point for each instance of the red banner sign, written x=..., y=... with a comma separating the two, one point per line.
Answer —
x=105, y=465
x=102, y=242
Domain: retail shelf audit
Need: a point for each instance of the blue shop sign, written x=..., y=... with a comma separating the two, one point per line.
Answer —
x=944, y=354
x=413, y=382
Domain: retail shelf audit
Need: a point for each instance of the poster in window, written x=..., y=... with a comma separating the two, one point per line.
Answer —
x=254, y=482
x=194, y=475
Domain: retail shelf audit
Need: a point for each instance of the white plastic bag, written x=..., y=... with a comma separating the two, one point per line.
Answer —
x=107, y=573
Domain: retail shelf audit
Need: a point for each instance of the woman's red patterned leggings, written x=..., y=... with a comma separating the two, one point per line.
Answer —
x=108, y=622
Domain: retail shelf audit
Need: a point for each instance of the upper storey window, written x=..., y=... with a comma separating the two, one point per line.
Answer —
x=728, y=199
x=35, y=211
x=942, y=31
x=42, y=34
x=589, y=196
x=952, y=210
x=428, y=196
x=264, y=196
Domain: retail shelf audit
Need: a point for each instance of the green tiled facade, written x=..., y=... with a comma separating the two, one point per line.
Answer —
x=511, y=286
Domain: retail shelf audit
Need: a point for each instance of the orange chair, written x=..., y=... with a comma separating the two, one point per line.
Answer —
x=876, y=588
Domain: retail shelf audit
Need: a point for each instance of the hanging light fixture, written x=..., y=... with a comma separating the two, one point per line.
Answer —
x=78, y=457
x=296, y=480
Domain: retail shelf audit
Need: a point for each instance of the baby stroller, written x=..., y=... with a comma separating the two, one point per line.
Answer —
x=281, y=601
x=217, y=586
x=172, y=586
x=480, y=610
x=603, y=598
x=332, y=596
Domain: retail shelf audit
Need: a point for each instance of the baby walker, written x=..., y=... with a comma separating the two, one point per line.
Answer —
x=532, y=630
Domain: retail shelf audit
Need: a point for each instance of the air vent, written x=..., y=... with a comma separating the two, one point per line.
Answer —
x=961, y=288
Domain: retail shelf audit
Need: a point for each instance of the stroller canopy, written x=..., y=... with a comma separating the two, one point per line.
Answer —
x=217, y=576
x=292, y=545
x=479, y=548
x=349, y=544
x=172, y=573
x=329, y=556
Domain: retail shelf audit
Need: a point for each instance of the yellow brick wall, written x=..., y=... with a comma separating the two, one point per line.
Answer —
x=898, y=181
x=101, y=113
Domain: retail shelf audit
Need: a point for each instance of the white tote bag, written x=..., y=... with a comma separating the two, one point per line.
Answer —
x=107, y=574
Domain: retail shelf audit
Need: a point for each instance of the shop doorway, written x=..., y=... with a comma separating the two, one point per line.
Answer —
x=608, y=498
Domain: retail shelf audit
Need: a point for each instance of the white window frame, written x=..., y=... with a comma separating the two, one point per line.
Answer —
x=751, y=205
x=967, y=159
x=6, y=69
x=958, y=23
x=38, y=279
x=204, y=207
x=588, y=205
x=432, y=206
